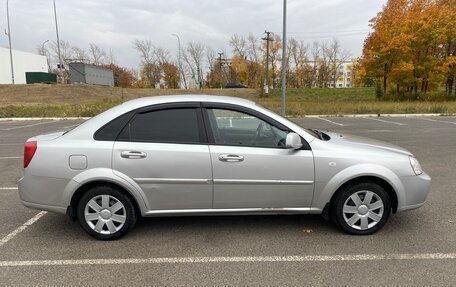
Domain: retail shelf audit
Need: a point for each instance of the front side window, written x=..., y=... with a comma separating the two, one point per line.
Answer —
x=240, y=129
x=167, y=126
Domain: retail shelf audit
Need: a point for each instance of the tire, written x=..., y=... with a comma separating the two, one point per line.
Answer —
x=354, y=213
x=106, y=213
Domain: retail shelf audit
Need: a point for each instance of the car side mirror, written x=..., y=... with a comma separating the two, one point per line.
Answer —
x=293, y=141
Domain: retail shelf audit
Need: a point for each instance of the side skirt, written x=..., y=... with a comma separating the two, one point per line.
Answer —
x=231, y=211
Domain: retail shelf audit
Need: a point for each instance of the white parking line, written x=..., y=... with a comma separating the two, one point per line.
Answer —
x=11, y=157
x=253, y=259
x=431, y=120
x=21, y=228
x=384, y=121
x=9, y=188
x=26, y=126
x=339, y=124
x=65, y=128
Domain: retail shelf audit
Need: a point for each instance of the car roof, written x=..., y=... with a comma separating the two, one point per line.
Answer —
x=87, y=129
x=147, y=101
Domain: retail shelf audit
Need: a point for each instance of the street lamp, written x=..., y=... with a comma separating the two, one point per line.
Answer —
x=9, y=41
x=45, y=54
x=284, y=53
x=42, y=45
x=179, y=59
x=221, y=67
x=59, y=66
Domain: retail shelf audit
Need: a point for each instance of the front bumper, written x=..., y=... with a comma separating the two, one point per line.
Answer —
x=416, y=190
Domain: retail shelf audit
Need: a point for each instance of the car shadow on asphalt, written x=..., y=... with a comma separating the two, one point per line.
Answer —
x=200, y=229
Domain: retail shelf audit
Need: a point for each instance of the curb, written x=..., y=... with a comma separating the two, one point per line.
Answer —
x=375, y=115
x=41, y=119
x=288, y=116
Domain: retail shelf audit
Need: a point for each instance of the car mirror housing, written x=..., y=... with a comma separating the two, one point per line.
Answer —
x=293, y=141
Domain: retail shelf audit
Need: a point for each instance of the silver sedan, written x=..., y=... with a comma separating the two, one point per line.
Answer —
x=210, y=155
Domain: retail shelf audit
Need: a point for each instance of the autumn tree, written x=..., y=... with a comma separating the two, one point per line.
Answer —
x=336, y=57
x=239, y=45
x=211, y=77
x=298, y=64
x=98, y=55
x=411, y=48
x=122, y=77
x=156, y=65
x=43, y=51
x=193, y=56
x=171, y=75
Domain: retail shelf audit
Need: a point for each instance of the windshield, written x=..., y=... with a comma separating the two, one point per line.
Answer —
x=312, y=132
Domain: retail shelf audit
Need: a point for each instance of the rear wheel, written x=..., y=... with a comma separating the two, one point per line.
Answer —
x=361, y=209
x=106, y=213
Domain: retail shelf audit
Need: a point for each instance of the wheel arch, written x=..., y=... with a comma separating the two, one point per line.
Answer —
x=101, y=176
x=386, y=178
x=371, y=179
x=79, y=192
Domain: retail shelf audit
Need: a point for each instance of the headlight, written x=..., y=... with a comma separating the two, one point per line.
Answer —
x=415, y=165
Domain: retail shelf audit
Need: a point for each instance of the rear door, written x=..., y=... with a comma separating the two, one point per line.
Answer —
x=164, y=149
x=251, y=166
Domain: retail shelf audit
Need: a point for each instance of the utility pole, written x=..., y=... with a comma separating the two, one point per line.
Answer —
x=180, y=63
x=60, y=65
x=267, y=39
x=9, y=41
x=284, y=54
x=221, y=66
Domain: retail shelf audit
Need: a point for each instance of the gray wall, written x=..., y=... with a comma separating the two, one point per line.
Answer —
x=90, y=74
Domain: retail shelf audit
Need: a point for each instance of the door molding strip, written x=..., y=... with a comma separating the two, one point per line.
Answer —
x=173, y=180
x=263, y=181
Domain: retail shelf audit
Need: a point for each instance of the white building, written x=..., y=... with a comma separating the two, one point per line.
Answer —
x=23, y=62
x=344, y=76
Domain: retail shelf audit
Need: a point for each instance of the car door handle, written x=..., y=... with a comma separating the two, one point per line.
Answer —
x=133, y=154
x=231, y=158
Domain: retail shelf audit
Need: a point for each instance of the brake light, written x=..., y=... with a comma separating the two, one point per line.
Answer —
x=29, y=152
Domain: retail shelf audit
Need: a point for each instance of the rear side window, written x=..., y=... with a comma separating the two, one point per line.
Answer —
x=168, y=126
x=111, y=130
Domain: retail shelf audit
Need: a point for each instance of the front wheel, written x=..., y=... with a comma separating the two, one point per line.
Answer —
x=361, y=209
x=106, y=213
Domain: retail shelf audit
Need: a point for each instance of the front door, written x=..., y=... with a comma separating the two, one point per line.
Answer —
x=164, y=152
x=251, y=166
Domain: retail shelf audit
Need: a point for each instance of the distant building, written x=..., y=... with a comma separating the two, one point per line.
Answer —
x=345, y=76
x=90, y=74
x=23, y=62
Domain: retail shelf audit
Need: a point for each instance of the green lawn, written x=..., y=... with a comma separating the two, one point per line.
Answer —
x=301, y=102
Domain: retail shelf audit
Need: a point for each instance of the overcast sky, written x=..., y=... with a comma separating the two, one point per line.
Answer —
x=115, y=24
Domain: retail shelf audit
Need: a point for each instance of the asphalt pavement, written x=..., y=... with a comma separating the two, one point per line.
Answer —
x=415, y=248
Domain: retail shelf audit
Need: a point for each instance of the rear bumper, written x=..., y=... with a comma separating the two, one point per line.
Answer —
x=42, y=193
x=416, y=190
x=56, y=209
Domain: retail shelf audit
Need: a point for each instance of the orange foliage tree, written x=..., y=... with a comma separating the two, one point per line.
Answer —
x=412, y=48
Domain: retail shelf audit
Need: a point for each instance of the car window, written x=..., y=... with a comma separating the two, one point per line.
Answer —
x=111, y=130
x=241, y=129
x=170, y=125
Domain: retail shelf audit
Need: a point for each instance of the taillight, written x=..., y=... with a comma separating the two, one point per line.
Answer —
x=29, y=152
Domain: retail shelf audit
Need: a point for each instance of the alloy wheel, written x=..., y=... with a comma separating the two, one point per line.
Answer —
x=105, y=214
x=363, y=210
